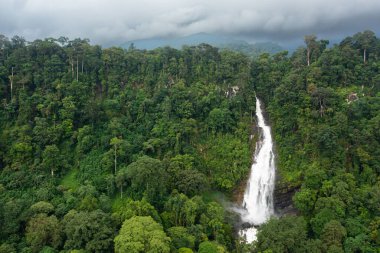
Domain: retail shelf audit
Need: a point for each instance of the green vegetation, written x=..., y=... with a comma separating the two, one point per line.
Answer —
x=98, y=145
x=112, y=150
x=324, y=106
x=141, y=234
x=70, y=181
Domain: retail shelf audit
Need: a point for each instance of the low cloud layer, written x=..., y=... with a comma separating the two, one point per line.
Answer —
x=112, y=22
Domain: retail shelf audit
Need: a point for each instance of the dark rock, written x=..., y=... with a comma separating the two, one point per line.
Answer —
x=246, y=225
x=282, y=197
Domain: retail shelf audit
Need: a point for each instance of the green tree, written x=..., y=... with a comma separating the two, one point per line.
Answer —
x=304, y=200
x=181, y=238
x=227, y=160
x=219, y=119
x=210, y=247
x=7, y=248
x=128, y=208
x=185, y=250
x=288, y=234
x=141, y=234
x=314, y=47
x=43, y=230
x=147, y=177
x=92, y=231
x=42, y=207
x=51, y=158
x=365, y=41
x=115, y=142
x=333, y=233
x=213, y=221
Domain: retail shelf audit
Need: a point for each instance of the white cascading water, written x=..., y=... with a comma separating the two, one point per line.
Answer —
x=258, y=196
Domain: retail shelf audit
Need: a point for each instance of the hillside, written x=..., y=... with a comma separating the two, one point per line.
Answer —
x=91, y=138
x=223, y=42
x=114, y=150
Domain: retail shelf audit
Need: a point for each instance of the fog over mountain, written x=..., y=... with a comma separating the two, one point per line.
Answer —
x=223, y=42
x=114, y=22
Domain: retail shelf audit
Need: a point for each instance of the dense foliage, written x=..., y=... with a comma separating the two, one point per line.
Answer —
x=106, y=150
x=324, y=106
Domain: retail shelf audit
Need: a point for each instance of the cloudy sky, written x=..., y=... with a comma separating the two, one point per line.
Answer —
x=112, y=22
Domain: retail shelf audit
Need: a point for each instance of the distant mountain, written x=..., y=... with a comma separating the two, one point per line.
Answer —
x=215, y=40
x=253, y=50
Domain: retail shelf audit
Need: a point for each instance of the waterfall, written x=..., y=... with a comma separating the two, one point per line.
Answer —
x=258, y=196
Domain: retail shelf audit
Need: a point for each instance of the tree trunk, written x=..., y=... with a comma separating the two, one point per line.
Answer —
x=12, y=84
x=115, y=160
x=308, y=57
x=77, y=69
x=364, y=55
x=72, y=67
x=321, y=108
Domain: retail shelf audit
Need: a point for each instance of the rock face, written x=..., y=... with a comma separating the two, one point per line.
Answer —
x=283, y=194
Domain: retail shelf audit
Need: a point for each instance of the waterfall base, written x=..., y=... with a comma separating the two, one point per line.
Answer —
x=249, y=234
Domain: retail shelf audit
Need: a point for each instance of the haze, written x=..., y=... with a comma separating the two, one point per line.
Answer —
x=112, y=22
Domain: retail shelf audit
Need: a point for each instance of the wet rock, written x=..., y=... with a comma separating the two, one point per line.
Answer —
x=282, y=198
x=246, y=225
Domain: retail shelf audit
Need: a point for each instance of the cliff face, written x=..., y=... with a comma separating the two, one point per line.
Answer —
x=283, y=191
x=283, y=194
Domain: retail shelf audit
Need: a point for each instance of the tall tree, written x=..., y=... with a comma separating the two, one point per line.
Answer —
x=51, y=158
x=115, y=142
x=311, y=44
x=141, y=234
x=365, y=41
